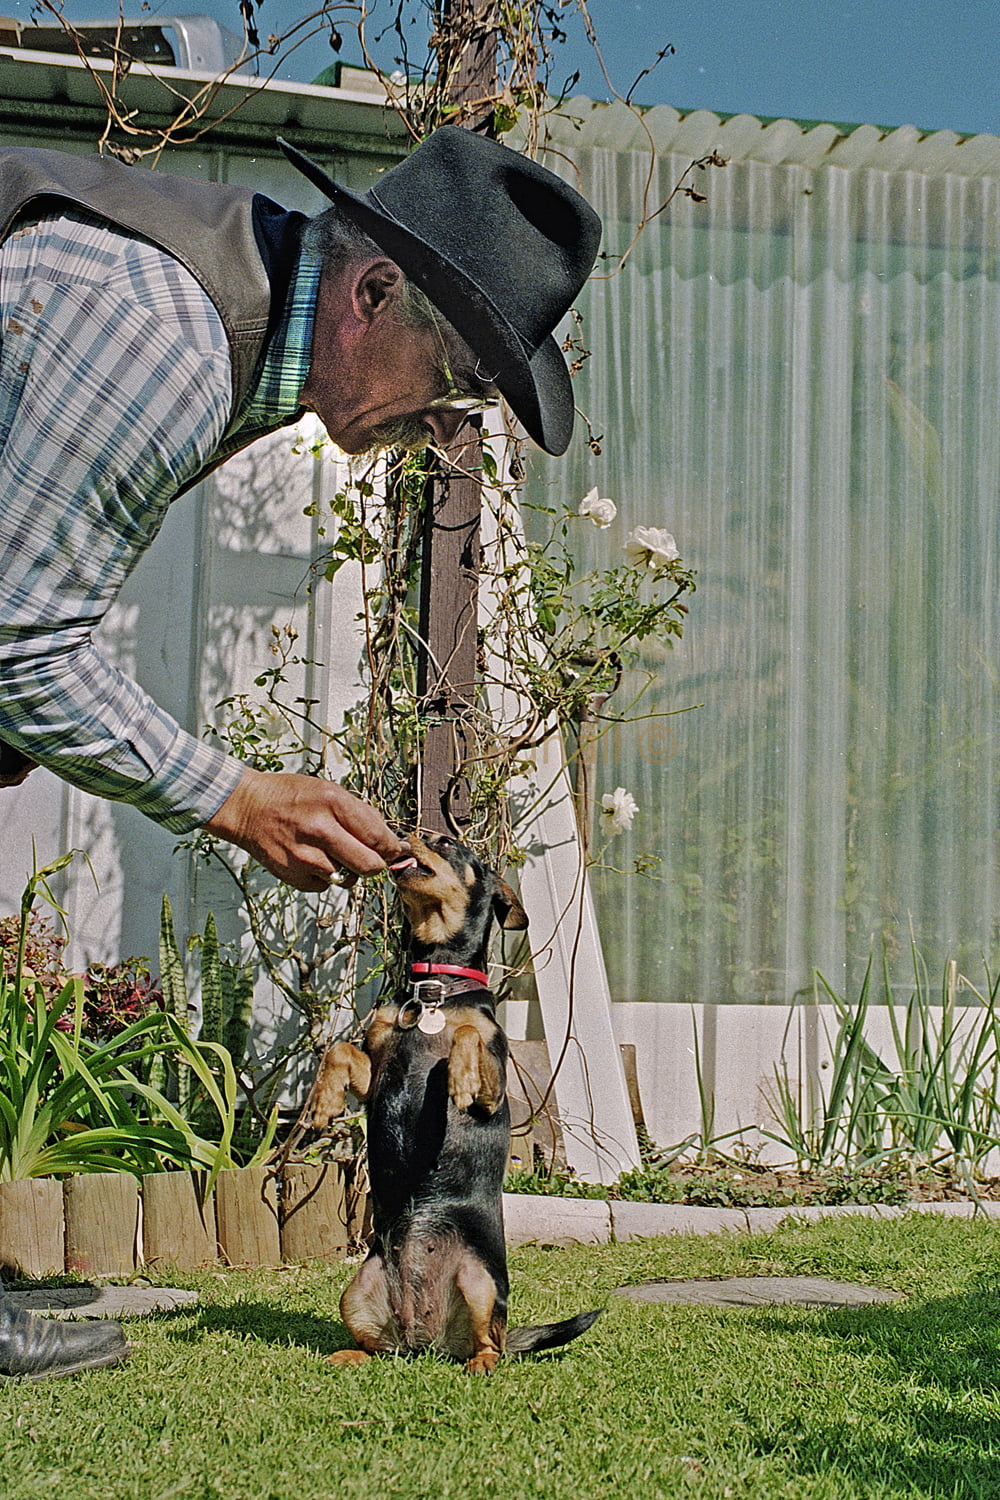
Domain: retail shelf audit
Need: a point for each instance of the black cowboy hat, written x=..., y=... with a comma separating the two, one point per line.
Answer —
x=500, y=245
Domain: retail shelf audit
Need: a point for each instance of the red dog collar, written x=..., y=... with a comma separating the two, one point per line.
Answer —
x=484, y=979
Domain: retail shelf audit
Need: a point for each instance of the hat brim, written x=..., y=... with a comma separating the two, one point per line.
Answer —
x=534, y=382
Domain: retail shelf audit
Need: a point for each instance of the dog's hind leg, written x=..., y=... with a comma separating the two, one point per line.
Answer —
x=346, y=1359
x=343, y=1067
x=365, y=1308
x=487, y=1324
x=473, y=1072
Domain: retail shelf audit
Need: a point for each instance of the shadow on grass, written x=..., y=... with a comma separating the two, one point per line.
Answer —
x=265, y=1321
x=938, y=1433
x=69, y=1296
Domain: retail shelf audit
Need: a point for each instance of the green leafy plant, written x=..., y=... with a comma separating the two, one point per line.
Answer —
x=69, y=1104
x=37, y=947
x=838, y=1122
x=552, y=1181
x=116, y=995
x=665, y=1177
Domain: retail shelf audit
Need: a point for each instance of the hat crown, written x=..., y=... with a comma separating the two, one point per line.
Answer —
x=523, y=235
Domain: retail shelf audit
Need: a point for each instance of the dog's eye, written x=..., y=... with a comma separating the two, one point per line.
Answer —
x=444, y=843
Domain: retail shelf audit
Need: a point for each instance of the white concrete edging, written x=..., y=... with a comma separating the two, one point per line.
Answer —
x=532, y=1219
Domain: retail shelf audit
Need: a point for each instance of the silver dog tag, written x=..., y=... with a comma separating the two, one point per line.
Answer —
x=431, y=1021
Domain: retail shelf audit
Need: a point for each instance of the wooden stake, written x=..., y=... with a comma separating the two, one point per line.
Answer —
x=102, y=1221
x=313, y=1212
x=31, y=1226
x=450, y=562
x=178, y=1227
x=246, y=1211
x=448, y=625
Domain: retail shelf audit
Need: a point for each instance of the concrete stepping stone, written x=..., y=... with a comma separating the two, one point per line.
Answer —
x=103, y=1301
x=757, y=1291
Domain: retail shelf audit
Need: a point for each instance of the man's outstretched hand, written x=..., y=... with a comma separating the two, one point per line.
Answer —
x=305, y=830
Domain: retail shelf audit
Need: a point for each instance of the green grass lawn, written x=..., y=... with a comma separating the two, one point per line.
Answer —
x=232, y=1399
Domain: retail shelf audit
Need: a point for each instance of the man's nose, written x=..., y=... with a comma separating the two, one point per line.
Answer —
x=444, y=424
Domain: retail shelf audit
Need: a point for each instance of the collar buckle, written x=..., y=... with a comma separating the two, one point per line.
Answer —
x=429, y=992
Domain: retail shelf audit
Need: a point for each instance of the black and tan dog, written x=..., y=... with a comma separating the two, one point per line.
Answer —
x=433, y=1075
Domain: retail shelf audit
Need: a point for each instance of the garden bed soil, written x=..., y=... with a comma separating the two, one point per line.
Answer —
x=784, y=1187
x=725, y=1184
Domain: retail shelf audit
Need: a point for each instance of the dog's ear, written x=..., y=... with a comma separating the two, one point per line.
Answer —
x=508, y=910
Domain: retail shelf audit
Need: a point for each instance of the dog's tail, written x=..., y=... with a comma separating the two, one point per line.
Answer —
x=549, y=1335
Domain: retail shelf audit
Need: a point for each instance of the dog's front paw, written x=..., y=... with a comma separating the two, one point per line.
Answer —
x=462, y=1093
x=329, y=1095
x=343, y=1067
x=463, y=1067
x=472, y=1072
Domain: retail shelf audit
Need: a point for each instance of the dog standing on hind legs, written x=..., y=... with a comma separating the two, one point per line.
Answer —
x=432, y=1073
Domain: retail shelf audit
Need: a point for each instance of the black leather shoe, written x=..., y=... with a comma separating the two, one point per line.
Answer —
x=34, y=1348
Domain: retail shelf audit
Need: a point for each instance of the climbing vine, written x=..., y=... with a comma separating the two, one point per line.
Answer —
x=555, y=641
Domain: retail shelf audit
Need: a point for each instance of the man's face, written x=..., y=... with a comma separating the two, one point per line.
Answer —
x=378, y=383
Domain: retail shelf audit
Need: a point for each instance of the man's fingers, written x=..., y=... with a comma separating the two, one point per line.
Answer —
x=366, y=832
x=345, y=852
x=315, y=884
x=305, y=830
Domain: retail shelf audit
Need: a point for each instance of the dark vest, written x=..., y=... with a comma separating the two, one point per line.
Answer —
x=240, y=246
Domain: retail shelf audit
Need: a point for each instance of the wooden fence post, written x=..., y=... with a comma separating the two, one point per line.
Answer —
x=31, y=1227
x=313, y=1212
x=102, y=1223
x=246, y=1211
x=449, y=569
x=178, y=1225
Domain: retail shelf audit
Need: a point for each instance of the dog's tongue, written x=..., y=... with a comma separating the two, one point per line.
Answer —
x=408, y=862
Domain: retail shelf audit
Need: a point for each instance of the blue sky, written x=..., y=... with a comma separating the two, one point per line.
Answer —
x=884, y=62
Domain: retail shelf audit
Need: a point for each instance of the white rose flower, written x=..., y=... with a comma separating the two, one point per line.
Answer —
x=271, y=722
x=619, y=807
x=650, y=547
x=601, y=511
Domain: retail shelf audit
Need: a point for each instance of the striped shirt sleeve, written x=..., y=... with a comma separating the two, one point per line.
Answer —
x=114, y=390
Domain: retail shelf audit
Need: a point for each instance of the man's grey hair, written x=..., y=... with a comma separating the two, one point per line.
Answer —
x=337, y=240
x=339, y=243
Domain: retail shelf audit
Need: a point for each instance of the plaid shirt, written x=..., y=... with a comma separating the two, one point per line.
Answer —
x=114, y=392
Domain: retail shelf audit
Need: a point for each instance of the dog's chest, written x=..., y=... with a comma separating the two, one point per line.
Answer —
x=413, y=1123
x=411, y=1050
x=406, y=1040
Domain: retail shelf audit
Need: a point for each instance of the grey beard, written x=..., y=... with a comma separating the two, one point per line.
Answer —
x=406, y=433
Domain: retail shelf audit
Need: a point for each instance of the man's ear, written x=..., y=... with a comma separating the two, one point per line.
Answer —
x=509, y=912
x=375, y=288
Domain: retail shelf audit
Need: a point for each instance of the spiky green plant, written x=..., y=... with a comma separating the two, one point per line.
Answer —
x=226, y=1018
x=936, y=1102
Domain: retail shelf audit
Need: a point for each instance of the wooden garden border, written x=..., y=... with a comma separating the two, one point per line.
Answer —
x=110, y=1224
